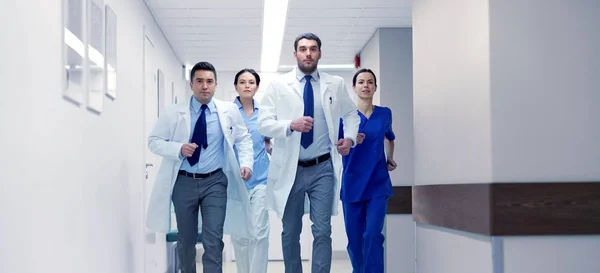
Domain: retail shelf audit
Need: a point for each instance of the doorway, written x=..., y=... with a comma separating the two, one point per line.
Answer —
x=154, y=244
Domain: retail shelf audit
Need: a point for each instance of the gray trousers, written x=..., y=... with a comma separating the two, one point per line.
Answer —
x=210, y=196
x=317, y=182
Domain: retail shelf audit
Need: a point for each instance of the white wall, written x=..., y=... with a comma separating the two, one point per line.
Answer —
x=451, y=121
x=552, y=254
x=370, y=58
x=505, y=94
x=225, y=89
x=545, y=90
x=389, y=54
x=396, y=92
x=442, y=250
x=71, y=181
x=451, y=92
x=545, y=115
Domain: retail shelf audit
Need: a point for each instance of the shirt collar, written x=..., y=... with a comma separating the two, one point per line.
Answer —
x=195, y=106
x=239, y=103
x=300, y=75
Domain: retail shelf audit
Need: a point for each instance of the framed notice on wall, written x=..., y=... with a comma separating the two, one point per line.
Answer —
x=111, y=52
x=89, y=53
x=74, y=52
x=96, y=71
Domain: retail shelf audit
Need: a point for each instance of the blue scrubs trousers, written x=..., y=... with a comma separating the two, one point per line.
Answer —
x=364, y=225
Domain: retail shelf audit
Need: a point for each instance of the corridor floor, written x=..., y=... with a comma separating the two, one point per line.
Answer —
x=337, y=266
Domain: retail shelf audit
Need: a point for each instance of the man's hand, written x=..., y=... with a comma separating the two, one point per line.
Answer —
x=246, y=173
x=359, y=138
x=188, y=149
x=344, y=145
x=303, y=124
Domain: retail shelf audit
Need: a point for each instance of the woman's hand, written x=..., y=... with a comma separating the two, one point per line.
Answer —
x=269, y=148
x=268, y=145
x=359, y=138
x=391, y=164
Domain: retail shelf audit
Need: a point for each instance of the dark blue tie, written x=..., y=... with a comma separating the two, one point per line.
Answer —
x=199, y=137
x=309, y=111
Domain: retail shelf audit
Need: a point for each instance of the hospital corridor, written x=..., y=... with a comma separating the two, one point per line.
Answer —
x=272, y=136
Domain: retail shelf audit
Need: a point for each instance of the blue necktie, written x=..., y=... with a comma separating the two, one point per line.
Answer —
x=309, y=110
x=199, y=137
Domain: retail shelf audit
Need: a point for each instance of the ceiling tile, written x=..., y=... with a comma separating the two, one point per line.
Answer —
x=229, y=33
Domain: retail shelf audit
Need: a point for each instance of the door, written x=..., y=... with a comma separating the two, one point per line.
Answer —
x=154, y=244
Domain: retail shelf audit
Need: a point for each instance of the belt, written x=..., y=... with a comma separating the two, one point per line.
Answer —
x=314, y=161
x=199, y=175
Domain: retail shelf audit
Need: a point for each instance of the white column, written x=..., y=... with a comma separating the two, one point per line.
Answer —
x=389, y=55
x=506, y=91
x=545, y=115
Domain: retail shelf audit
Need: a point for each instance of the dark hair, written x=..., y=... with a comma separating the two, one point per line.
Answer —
x=203, y=66
x=363, y=70
x=308, y=36
x=249, y=70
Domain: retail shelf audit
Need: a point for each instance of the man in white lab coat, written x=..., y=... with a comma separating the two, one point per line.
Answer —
x=301, y=110
x=200, y=174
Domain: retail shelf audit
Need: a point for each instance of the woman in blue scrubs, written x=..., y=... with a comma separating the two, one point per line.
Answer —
x=252, y=256
x=366, y=183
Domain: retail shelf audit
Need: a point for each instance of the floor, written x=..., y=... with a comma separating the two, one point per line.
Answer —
x=337, y=266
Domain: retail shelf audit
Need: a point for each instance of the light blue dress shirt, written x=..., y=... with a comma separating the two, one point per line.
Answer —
x=261, y=158
x=213, y=157
x=321, y=143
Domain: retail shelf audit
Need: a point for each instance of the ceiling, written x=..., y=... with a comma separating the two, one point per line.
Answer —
x=228, y=33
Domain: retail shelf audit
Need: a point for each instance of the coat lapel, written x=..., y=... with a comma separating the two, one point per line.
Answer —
x=183, y=109
x=324, y=83
x=293, y=83
x=223, y=121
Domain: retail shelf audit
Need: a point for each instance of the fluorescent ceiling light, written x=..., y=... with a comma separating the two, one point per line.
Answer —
x=273, y=27
x=325, y=66
x=187, y=72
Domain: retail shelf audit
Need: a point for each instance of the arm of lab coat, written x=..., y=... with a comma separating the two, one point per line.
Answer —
x=243, y=140
x=268, y=124
x=159, y=141
x=349, y=114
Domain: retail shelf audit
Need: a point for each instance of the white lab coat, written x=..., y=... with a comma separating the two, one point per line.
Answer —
x=171, y=131
x=282, y=103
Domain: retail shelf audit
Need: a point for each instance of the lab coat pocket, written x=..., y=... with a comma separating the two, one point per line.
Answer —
x=229, y=130
x=230, y=135
x=334, y=106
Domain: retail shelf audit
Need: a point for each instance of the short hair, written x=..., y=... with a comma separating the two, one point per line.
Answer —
x=308, y=36
x=363, y=70
x=249, y=70
x=202, y=66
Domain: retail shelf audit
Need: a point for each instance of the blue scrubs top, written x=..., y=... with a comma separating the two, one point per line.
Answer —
x=261, y=158
x=365, y=173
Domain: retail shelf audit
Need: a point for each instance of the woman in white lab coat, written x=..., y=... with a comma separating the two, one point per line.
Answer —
x=252, y=255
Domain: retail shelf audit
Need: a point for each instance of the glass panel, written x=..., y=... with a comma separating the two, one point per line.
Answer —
x=74, y=50
x=96, y=62
x=111, y=53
